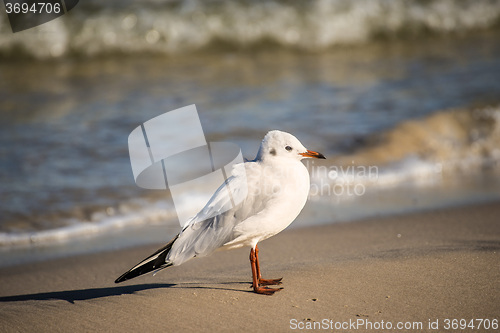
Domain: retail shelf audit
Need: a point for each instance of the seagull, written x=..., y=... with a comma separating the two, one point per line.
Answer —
x=276, y=184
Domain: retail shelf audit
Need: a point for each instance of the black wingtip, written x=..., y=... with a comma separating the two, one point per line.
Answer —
x=126, y=276
x=149, y=267
x=121, y=278
x=156, y=261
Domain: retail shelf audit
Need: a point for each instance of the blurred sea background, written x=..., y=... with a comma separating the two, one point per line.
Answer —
x=403, y=97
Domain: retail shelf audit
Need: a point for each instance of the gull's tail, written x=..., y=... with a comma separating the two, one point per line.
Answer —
x=156, y=261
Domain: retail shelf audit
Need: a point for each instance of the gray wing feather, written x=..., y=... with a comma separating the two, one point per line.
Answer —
x=214, y=225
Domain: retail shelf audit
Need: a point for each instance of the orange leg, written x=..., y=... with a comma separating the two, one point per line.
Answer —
x=264, y=282
x=256, y=276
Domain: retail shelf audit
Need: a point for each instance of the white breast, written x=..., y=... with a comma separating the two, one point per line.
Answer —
x=283, y=190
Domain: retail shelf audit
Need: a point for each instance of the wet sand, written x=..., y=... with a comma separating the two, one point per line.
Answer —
x=413, y=268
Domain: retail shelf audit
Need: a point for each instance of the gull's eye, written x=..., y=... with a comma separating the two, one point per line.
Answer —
x=288, y=148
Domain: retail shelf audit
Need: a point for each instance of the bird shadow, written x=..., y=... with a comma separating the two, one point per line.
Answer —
x=93, y=293
x=84, y=294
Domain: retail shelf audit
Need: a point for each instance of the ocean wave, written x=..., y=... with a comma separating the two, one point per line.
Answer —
x=138, y=213
x=461, y=139
x=95, y=28
x=418, y=153
x=155, y=210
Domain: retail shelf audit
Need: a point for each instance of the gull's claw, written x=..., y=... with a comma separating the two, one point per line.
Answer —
x=270, y=282
x=266, y=290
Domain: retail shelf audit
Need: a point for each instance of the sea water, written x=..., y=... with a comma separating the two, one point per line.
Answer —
x=402, y=97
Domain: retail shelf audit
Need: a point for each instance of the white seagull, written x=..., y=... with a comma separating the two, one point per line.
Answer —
x=277, y=185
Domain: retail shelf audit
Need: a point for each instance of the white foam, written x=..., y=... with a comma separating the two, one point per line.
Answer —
x=179, y=27
x=148, y=213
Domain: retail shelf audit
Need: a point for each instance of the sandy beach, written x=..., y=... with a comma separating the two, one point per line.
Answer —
x=422, y=268
x=401, y=97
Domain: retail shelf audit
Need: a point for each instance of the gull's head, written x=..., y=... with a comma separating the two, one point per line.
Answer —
x=278, y=144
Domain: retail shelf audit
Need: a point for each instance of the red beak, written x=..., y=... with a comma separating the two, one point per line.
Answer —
x=313, y=154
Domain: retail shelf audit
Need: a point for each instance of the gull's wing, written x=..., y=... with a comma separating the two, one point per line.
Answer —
x=213, y=226
x=234, y=201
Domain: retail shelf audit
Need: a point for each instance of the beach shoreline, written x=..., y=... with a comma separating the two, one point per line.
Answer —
x=422, y=267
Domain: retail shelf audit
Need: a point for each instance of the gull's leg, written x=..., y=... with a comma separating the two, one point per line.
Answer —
x=264, y=282
x=255, y=279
